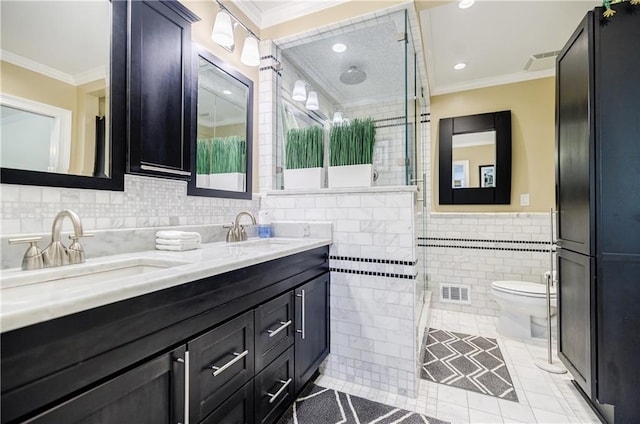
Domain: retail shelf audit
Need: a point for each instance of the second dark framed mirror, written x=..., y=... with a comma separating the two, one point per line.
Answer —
x=475, y=159
x=222, y=149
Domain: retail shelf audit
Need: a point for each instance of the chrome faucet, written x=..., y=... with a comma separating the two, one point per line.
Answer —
x=236, y=231
x=56, y=254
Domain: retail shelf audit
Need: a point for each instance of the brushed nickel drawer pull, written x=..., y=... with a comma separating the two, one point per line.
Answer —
x=219, y=370
x=283, y=325
x=276, y=394
x=301, y=296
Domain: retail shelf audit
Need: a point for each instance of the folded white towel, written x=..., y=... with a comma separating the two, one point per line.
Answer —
x=171, y=242
x=178, y=235
x=176, y=248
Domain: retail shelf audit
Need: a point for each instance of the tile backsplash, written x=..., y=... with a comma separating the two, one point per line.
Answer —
x=145, y=202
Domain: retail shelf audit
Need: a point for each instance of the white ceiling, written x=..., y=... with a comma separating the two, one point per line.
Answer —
x=67, y=39
x=373, y=49
x=495, y=39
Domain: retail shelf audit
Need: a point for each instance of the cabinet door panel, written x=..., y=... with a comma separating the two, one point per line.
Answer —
x=576, y=302
x=312, y=328
x=151, y=393
x=274, y=389
x=274, y=329
x=160, y=89
x=229, y=348
x=575, y=146
x=238, y=409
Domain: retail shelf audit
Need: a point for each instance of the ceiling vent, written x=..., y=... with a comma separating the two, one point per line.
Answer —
x=541, y=61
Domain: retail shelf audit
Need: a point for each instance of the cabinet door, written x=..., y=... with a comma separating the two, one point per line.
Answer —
x=576, y=317
x=312, y=328
x=238, y=409
x=274, y=329
x=575, y=144
x=274, y=389
x=160, y=86
x=152, y=393
x=221, y=361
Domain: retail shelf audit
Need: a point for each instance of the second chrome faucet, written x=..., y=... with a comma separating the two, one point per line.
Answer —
x=236, y=231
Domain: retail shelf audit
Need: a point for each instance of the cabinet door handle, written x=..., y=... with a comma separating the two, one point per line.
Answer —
x=185, y=361
x=283, y=325
x=301, y=331
x=219, y=370
x=274, y=396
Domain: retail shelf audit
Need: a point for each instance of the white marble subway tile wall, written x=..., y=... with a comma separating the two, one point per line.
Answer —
x=373, y=263
x=477, y=249
x=145, y=202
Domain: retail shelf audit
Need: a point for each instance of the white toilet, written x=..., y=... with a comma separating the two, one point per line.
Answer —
x=523, y=309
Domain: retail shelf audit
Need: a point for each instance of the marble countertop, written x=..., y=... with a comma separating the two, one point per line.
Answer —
x=26, y=298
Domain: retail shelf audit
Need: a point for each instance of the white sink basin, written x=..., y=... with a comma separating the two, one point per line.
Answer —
x=87, y=272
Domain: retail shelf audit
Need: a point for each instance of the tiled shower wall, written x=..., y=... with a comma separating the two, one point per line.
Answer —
x=145, y=202
x=373, y=271
x=476, y=249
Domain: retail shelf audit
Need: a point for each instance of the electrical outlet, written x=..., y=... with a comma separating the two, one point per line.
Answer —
x=524, y=199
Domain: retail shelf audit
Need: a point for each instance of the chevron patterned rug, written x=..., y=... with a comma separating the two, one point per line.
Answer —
x=467, y=362
x=319, y=405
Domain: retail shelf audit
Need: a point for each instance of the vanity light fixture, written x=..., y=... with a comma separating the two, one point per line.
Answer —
x=337, y=118
x=465, y=4
x=339, y=48
x=459, y=66
x=222, y=34
x=299, y=93
x=312, y=101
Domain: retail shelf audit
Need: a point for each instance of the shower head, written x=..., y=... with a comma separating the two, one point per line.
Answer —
x=353, y=76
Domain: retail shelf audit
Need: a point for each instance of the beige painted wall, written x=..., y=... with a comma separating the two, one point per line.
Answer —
x=201, y=34
x=532, y=105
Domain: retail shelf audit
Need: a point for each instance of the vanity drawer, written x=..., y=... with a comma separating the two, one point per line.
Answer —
x=238, y=409
x=274, y=329
x=221, y=361
x=274, y=389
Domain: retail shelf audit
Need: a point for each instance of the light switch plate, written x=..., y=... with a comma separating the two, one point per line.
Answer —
x=524, y=199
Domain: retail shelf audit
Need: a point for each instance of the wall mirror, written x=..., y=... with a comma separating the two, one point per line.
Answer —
x=62, y=97
x=221, y=151
x=475, y=159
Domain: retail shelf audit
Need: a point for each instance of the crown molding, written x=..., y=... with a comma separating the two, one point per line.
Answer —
x=37, y=67
x=492, y=81
x=283, y=13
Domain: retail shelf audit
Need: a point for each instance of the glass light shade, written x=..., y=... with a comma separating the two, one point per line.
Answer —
x=223, y=30
x=250, y=53
x=299, y=93
x=312, y=101
x=337, y=118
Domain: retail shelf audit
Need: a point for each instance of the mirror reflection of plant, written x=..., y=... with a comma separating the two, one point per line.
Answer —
x=304, y=148
x=228, y=154
x=352, y=144
x=203, y=152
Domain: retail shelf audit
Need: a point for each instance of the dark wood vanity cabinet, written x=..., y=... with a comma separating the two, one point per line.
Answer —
x=160, y=86
x=202, y=348
x=598, y=199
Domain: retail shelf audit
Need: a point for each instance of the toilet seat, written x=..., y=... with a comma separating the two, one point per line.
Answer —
x=523, y=288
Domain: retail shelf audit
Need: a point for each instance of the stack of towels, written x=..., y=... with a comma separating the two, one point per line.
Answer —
x=177, y=241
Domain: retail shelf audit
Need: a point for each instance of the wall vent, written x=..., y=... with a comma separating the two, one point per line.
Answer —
x=455, y=293
x=539, y=61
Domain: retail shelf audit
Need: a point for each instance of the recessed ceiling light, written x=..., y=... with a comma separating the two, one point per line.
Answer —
x=464, y=4
x=459, y=66
x=339, y=48
x=227, y=92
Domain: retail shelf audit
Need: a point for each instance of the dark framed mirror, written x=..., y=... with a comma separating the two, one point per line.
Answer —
x=221, y=152
x=63, y=93
x=475, y=159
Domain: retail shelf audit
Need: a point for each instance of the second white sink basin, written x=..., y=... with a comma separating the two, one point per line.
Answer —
x=87, y=272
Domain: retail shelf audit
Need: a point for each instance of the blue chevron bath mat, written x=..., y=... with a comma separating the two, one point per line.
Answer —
x=319, y=405
x=466, y=362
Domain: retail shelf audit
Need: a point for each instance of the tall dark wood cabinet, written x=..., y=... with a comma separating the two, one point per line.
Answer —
x=598, y=199
x=160, y=82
